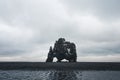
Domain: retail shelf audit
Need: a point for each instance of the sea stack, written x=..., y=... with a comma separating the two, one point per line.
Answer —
x=62, y=50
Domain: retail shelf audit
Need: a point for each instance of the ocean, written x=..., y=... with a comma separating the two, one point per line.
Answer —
x=58, y=75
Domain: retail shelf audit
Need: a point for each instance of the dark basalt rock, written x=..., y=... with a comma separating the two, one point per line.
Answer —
x=62, y=50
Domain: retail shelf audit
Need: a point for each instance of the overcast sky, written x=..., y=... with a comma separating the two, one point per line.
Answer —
x=29, y=27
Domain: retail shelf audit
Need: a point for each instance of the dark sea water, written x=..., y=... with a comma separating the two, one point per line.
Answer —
x=59, y=75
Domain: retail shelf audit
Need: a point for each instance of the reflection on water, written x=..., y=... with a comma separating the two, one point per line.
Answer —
x=62, y=75
x=59, y=75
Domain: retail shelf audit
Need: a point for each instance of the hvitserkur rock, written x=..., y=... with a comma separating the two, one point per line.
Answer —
x=62, y=50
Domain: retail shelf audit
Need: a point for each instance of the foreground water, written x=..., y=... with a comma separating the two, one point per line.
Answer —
x=59, y=75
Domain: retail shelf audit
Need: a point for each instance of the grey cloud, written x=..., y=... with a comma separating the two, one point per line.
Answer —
x=25, y=24
x=104, y=9
x=99, y=48
x=29, y=27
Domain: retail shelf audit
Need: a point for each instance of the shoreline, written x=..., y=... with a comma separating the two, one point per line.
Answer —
x=112, y=66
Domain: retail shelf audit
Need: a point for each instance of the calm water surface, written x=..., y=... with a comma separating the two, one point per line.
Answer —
x=59, y=75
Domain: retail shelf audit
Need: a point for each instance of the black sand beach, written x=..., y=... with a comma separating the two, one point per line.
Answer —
x=60, y=66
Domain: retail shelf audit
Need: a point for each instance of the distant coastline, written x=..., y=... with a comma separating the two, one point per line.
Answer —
x=115, y=66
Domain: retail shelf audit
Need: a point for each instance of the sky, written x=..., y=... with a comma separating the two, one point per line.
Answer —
x=29, y=27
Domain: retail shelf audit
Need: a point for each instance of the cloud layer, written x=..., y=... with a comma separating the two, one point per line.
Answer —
x=28, y=28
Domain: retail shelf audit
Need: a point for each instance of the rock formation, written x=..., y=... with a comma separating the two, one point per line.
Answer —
x=62, y=50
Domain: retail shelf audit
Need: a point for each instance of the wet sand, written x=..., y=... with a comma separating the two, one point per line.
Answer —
x=60, y=66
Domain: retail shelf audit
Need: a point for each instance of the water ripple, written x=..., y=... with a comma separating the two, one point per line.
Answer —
x=59, y=75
